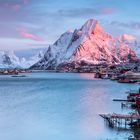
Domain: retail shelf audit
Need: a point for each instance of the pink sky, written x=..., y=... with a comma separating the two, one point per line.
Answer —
x=44, y=21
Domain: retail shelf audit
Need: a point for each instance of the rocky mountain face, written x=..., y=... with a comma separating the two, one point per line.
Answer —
x=89, y=44
x=8, y=59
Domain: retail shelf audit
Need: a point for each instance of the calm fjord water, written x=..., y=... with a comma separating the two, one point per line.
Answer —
x=58, y=106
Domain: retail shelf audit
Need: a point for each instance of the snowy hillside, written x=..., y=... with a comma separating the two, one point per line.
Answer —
x=89, y=44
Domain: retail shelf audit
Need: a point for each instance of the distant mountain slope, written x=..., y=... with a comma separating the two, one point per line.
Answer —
x=89, y=44
x=132, y=42
x=8, y=59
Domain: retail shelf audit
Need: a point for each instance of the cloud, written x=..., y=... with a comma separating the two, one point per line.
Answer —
x=130, y=25
x=85, y=11
x=128, y=37
x=26, y=34
x=14, y=5
x=25, y=1
x=107, y=10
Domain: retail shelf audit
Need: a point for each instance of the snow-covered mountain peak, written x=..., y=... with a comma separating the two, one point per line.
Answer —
x=92, y=26
x=90, y=44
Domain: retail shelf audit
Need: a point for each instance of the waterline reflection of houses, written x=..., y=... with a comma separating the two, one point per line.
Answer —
x=88, y=76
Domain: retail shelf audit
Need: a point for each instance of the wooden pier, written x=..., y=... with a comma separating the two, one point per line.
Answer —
x=120, y=120
x=124, y=100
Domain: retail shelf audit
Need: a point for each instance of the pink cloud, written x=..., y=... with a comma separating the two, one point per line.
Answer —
x=15, y=7
x=25, y=1
x=26, y=34
x=108, y=10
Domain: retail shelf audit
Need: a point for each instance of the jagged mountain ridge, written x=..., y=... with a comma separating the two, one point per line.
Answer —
x=90, y=44
x=8, y=59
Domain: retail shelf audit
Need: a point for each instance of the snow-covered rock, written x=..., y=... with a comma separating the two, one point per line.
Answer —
x=89, y=44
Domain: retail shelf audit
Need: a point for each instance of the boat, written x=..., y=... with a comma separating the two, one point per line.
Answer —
x=105, y=76
x=18, y=76
x=114, y=78
x=125, y=80
x=133, y=94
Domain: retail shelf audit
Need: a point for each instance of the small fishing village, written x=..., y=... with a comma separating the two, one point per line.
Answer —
x=126, y=121
x=131, y=120
x=13, y=71
x=127, y=73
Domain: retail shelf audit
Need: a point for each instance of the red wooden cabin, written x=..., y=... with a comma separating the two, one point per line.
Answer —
x=138, y=101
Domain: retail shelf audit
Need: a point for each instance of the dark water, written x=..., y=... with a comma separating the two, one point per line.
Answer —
x=59, y=106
